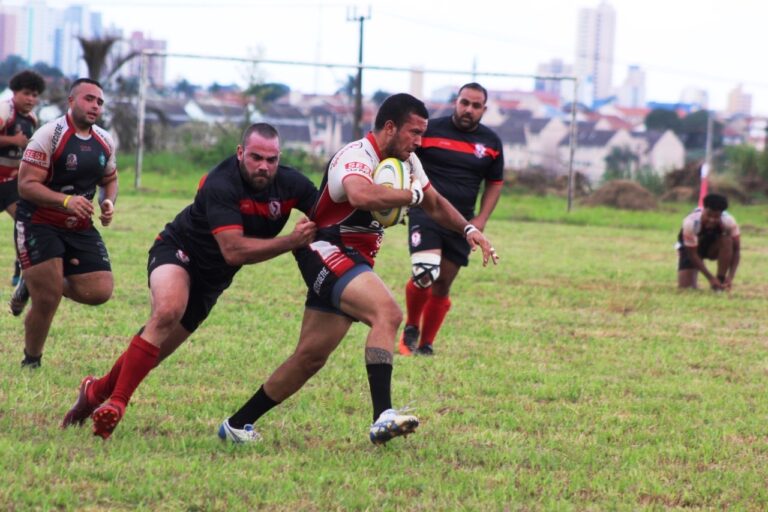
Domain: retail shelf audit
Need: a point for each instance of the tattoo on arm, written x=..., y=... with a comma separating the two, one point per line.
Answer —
x=377, y=356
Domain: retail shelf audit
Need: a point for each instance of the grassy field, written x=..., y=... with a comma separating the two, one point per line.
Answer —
x=573, y=376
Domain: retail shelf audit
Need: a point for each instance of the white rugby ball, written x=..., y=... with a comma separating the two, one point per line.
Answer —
x=391, y=173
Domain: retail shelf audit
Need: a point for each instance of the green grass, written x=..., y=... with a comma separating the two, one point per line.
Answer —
x=573, y=376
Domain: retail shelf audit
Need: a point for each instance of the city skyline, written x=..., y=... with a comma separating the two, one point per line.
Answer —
x=447, y=38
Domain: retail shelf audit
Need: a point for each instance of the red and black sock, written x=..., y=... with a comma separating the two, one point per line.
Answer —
x=101, y=388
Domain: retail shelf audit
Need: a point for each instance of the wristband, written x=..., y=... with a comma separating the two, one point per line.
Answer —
x=469, y=228
x=416, y=196
x=66, y=201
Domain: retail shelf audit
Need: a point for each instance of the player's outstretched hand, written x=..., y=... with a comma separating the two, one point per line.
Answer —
x=304, y=232
x=107, y=212
x=477, y=238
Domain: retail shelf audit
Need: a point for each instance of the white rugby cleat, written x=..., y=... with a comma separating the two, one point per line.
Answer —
x=245, y=435
x=390, y=424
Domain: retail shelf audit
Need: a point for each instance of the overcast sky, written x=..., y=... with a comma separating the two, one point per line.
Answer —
x=711, y=44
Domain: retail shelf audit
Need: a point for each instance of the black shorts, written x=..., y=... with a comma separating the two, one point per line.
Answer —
x=81, y=251
x=425, y=234
x=204, y=287
x=706, y=241
x=9, y=194
x=327, y=269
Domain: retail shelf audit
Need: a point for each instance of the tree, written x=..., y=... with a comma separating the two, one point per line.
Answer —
x=10, y=66
x=96, y=52
x=379, y=97
x=619, y=164
x=184, y=88
x=662, y=120
x=264, y=94
x=694, y=131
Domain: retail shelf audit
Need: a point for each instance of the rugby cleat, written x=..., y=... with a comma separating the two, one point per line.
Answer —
x=19, y=298
x=83, y=406
x=245, y=435
x=425, y=350
x=409, y=340
x=106, y=418
x=390, y=424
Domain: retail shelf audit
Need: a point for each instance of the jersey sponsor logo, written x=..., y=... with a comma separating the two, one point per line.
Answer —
x=182, y=256
x=320, y=279
x=71, y=164
x=275, y=209
x=360, y=167
x=34, y=157
x=85, y=148
x=102, y=160
x=416, y=238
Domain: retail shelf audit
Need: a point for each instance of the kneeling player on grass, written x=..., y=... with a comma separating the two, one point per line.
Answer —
x=338, y=269
x=709, y=233
x=239, y=209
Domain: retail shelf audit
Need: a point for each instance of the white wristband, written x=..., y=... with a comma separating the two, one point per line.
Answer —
x=469, y=228
x=416, y=196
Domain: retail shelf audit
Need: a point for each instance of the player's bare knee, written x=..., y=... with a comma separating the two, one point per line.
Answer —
x=425, y=268
x=390, y=315
x=166, y=316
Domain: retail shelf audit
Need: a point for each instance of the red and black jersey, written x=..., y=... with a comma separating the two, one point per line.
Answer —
x=457, y=162
x=11, y=123
x=225, y=201
x=74, y=165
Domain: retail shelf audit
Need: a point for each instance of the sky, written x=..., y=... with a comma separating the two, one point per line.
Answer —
x=710, y=44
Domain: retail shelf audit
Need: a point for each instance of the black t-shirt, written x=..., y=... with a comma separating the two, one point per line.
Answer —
x=457, y=162
x=224, y=201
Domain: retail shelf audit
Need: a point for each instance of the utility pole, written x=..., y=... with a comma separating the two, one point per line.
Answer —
x=357, y=127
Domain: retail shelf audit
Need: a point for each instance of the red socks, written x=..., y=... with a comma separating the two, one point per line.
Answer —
x=138, y=360
x=434, y=313
x=415, y=299
x=103, y=387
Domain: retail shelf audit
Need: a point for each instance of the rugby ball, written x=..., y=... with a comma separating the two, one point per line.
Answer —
x=391, y=173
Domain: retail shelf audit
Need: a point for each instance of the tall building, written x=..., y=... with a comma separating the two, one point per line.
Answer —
x=36, y=29
x=631, y=93
x=594, y=51
x=695, y=96
x=76, y=21
x=156, y=72
x=8, y=28
x=555, y=67
x=739, y=102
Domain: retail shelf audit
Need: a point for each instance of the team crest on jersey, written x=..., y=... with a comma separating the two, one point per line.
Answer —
x=102, y=160
x=70, y=222
x=274, y=209
x=182, y=256
x=71, y=164
x=479, y=150
x=416, y=238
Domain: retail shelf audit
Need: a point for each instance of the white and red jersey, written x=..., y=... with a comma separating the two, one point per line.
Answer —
x=337, y=221
x=692, y=228
x=74, y=165
x=12, y=122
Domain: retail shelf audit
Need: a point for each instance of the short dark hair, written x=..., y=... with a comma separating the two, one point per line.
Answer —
x=84, y=81
x=27, y=79
x=477, y=87
x=266, y=130
x=397, y=108
x=716, y=202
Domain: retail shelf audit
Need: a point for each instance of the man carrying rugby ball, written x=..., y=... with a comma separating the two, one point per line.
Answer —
x=338, y=268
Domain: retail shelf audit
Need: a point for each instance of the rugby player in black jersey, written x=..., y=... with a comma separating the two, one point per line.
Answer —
x=17, y=124
x=60, y=251
x=240, y=208
x=459, y=155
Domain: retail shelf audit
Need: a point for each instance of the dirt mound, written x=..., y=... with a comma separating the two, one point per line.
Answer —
x=681, y=195
x=623, y=194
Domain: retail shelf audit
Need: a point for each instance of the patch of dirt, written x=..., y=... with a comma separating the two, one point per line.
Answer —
x=622, y=194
